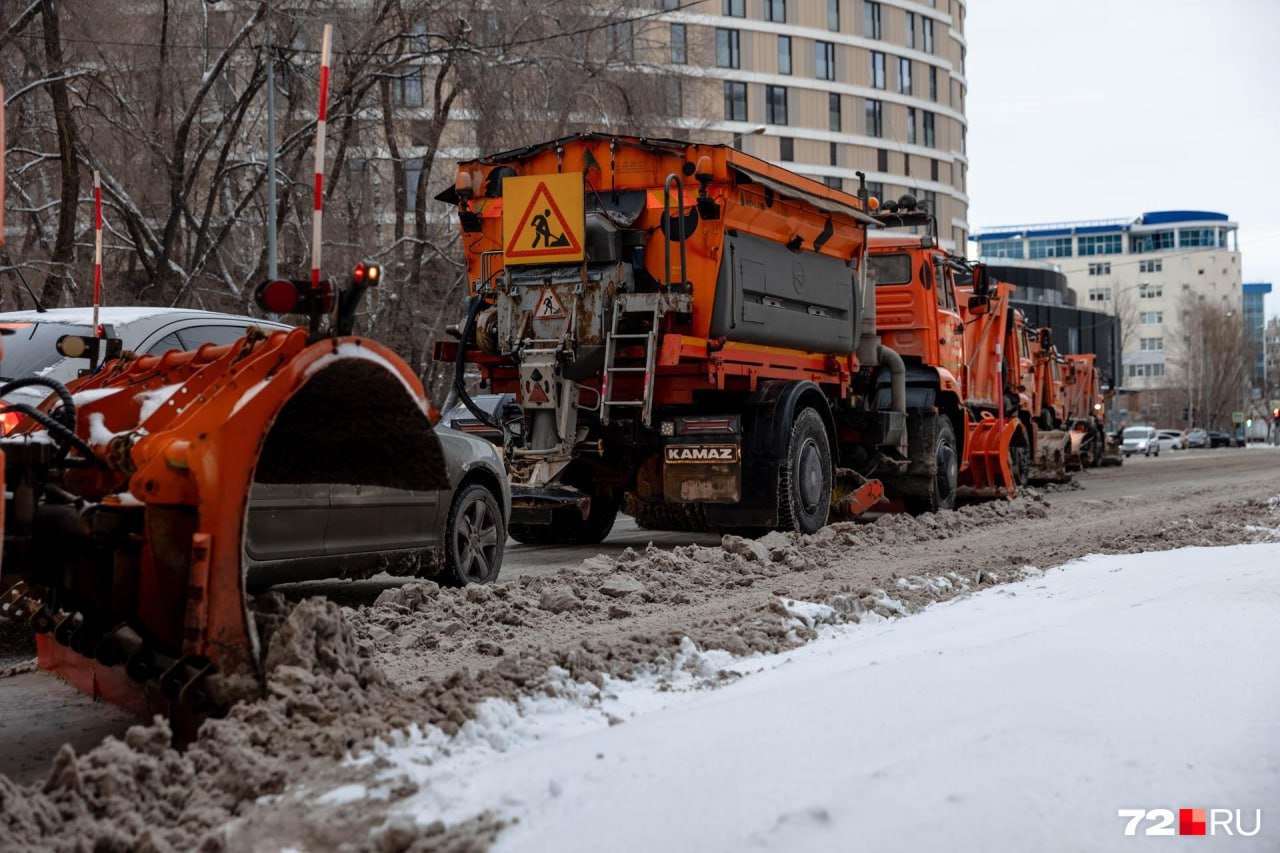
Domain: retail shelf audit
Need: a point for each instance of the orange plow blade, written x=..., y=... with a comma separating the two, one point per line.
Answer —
x=989, y=474
x=130, y=549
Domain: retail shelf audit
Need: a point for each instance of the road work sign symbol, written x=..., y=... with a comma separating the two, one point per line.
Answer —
x=542, y=220
x=549, y=306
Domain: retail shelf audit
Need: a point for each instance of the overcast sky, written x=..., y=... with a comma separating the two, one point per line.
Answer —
x=1094, y=109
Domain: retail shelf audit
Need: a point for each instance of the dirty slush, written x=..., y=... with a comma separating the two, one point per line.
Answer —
x=339, y=678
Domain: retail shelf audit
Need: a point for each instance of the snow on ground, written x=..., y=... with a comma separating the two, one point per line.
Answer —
x=1020, y=718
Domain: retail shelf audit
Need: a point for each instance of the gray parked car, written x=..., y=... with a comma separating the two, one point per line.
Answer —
x=310, y=531
x=306, y=531
x=30, y=348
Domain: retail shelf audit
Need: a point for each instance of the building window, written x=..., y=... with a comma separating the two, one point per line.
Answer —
x=775, y=104
x=679, y=52
x=776, y=11
x=871, y=19
x=875, y=189
x=406, y=88
x=833, y=154
x=786, y=149
x=735, y=101
x=1049, y=247
x=824, y=60
x=930, y=199
x=833, y=112
x=882, y=160
x=728, y=52
x=621, y=41
x=1002, y=249
x=933, y=170
x=784, y=54
x=1155, y=241
x=1151, y=266
x=933, y=83
x=1151, y=318
x=906, y=164
x=929, y=139
x=1142, y=371
x=1151, y=291
x=926, y=33
x=1103, y=268
x=833, y=182
x=735, y=8
x=833, y=15
x=1099, y=294
x=911, y=30
x=1100, y=244
x=877, y=69
x=1151, y=344
x=911, y=125
x=1196, y=238
x=904, y=75
x=412, y=174
x=875, y=119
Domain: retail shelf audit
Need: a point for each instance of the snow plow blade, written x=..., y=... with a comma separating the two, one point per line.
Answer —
x=126, y=525
x=1050, y=459
x=989, y=475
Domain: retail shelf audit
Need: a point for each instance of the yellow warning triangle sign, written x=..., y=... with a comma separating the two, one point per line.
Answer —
x=542, y=219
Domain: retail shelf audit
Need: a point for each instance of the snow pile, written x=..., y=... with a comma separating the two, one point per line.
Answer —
x=1020, y=718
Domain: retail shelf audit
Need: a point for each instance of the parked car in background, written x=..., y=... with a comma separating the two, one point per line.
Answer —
x=1172, y=439
x=1219, y=439
x=1197, y=438
x=30, y=345
x=1140, y=439
x=499, y=406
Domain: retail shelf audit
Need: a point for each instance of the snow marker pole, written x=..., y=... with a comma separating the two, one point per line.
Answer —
x=97, y=251
x=321, y=117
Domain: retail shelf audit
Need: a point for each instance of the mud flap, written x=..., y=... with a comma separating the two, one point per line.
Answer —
x=1049, y=463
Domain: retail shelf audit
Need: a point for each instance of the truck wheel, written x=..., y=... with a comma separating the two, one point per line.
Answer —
x=804, y=481
x=1020, y=458
x=946, y=476
x=474, y=538
x=1047, y=420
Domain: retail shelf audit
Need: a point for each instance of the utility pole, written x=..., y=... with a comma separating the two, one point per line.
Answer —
x=272, y=265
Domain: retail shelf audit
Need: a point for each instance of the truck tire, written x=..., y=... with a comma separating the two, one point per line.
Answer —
x=1020, y=457
x=805, y=477
x=946, y=456
x=474, y=538
x=1047, y=420
x=568, y=527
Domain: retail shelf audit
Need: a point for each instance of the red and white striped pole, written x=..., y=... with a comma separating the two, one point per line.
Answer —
x=321, y=117
x=97, y=251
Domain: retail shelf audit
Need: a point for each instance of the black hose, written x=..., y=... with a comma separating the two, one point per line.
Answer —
x=460, y=367
x=67, y=414
x=56, y=428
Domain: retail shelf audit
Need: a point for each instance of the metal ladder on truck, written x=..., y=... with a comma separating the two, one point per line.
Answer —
x=640, y=304
x=631, y=305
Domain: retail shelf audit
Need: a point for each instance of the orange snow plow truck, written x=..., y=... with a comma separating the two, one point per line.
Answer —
x=127, y=492
x=687, y=334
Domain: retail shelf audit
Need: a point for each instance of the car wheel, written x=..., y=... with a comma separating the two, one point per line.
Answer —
x=474, y=537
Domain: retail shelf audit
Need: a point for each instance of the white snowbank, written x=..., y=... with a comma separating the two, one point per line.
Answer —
x=1020, y=718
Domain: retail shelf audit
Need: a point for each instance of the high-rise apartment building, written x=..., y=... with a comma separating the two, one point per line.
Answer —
x=829, y=88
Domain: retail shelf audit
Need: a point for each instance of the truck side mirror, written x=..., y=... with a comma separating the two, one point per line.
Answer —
x=981, y=280
x=979, y=305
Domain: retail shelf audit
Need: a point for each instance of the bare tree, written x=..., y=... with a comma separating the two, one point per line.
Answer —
x=1211, y=360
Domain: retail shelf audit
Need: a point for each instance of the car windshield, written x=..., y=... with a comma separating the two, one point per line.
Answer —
x=32, y=347
x=1137, y=432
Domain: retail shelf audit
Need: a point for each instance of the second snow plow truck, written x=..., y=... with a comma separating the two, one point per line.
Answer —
x=686, y=330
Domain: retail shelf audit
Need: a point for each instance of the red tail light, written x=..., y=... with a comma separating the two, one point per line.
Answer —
x=8, y=421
